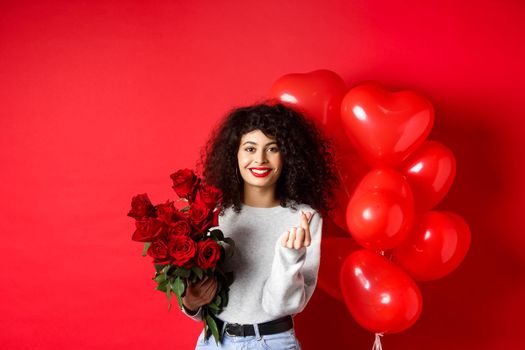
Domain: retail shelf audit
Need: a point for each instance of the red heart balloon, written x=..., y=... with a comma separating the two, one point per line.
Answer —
x=384, y=126
x=430, y=171
x=334, y=252
x=385, y=179
x=379, y=220
x=378, y=294
x=437, y=246
x=380, y=212
x=318, y=95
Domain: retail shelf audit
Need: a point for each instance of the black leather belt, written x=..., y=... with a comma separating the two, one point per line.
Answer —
x=243, y=330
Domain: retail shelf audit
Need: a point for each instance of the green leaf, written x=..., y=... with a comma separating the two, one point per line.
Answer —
x=205, y=324
x=146, y=246
x=225, y=299
x=178, y=288
x=214, y=330
x=230, y=241
x=217, y=300
x=182, y=272
x=160, y=278
x=231, y=250
x=168, y=294
x=198, y=271
x=213, y=307
x=229, y=278
x=162, y=287
x=217, y=235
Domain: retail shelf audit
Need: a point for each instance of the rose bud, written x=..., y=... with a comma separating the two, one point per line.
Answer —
x=141, y=207
x=184, y=183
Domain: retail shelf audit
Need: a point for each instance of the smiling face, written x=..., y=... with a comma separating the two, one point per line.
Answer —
x=259, y=159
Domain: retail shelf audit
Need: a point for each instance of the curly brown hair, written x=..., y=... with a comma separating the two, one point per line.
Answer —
x=308, y=173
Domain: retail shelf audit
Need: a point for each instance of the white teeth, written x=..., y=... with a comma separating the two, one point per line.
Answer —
x=260, y=171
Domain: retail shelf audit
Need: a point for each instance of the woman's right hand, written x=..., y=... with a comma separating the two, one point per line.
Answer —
x=200, y=293
x=298, y=237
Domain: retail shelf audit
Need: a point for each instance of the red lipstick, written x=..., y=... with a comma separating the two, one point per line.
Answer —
x=268, y=170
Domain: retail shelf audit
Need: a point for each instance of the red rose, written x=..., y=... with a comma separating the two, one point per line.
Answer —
x=159, y=251
x=184, y=183
x=199, y=215
x=148, y=230
x=208, y=253
x=179, y=228
x=182, y=250
x=141, y=207
x=165, y=212
x=208, y=195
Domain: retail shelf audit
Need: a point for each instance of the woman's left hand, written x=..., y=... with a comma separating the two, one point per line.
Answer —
x=298, y=237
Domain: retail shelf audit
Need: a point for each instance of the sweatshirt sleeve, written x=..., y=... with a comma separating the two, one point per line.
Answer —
x=197, y=317
x=293, y=275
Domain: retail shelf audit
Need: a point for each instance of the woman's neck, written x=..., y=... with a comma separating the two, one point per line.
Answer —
x=260, y=197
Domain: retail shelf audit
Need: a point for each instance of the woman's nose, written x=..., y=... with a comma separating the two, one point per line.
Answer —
x=260, y=157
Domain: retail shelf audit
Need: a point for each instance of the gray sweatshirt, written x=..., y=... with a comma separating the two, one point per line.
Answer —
x=270, y=281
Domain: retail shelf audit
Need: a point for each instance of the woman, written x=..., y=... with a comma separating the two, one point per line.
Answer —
x=276, y=173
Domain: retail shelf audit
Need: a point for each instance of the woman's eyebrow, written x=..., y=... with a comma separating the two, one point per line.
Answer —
x=254, y=143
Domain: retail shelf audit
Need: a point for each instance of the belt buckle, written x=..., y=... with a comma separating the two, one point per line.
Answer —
x=233, y=326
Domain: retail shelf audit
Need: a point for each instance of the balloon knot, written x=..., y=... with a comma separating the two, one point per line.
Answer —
x=377, y=342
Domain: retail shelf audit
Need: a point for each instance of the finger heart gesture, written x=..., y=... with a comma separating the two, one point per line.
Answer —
x=298, y=237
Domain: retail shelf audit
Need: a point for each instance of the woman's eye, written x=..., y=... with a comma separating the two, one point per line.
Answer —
x=273, y=149
x=249, y=149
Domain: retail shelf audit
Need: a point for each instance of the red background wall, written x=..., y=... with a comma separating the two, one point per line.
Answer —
x=100, y=100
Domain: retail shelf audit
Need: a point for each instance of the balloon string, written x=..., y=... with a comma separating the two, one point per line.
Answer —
x=377, y=342
x=341, y=181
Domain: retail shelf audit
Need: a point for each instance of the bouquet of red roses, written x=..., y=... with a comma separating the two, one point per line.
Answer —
x=182, y=242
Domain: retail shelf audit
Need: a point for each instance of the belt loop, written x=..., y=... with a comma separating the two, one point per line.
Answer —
x=257, y=334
